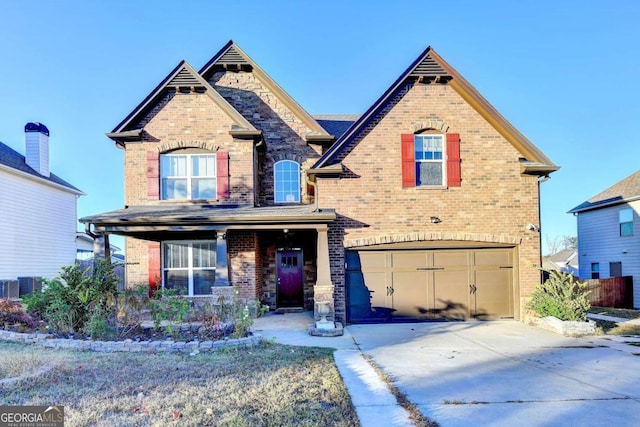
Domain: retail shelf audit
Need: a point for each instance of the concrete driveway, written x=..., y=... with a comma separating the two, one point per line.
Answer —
x=501, y=373
x=507, y=373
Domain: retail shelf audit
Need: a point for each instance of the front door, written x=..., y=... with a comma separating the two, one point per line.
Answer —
x=289, y=290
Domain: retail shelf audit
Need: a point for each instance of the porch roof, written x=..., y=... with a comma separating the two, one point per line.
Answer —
x=140, y=220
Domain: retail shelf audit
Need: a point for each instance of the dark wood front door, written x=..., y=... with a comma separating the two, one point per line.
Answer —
x=289, y=265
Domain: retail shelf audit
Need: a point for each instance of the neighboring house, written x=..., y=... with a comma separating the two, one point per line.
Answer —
x=417, y=208
x=39, y=218
x=608, y=230
x=85, y=247
x=566, y=261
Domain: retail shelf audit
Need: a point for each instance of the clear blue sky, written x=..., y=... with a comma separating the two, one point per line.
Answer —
x=565, y=73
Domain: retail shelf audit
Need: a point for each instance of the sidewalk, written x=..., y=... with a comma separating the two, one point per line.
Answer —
x=374, y=403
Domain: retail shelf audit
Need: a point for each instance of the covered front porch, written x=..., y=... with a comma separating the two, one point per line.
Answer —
x=278, y=256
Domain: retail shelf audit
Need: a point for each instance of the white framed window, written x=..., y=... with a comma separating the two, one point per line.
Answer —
x=286, y=182
x=189, y=267
x=188, y=176
x=626, y=222
x=430, y=160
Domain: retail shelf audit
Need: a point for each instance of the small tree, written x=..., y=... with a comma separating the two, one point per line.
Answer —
x=561, y=296
x=78, y=301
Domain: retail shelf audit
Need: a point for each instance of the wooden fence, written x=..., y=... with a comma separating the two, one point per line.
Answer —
x=614, y=292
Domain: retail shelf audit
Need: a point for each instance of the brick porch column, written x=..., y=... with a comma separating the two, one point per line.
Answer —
x=323, y=289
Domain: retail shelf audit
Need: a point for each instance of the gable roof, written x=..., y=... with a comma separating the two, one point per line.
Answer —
x=430, y=66
x=336, y=124
x=182, y=76
x=10, y=159
x=623, y=191
x=231, y=57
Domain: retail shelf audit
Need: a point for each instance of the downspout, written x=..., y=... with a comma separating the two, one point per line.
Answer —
x=94, y=236
x=540, y=181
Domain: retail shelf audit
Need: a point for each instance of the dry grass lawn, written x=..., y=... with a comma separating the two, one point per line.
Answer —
x=613, y=328
x=268, y=385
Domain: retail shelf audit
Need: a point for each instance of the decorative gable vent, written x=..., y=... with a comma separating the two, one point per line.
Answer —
x=185, y=78
x=430, y=69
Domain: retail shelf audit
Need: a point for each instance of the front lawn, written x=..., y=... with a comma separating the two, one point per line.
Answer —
x=268, y=385
x=613, y=328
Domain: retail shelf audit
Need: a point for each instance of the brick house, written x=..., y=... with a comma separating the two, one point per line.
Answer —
x=421, y=207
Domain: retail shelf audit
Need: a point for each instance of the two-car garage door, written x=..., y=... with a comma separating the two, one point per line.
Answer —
x=439, y=284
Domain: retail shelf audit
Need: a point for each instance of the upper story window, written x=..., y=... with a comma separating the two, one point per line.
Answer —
x=431, y=160
x=186, y=175
x=429, y=155
x=286, y=181
x=626, y=222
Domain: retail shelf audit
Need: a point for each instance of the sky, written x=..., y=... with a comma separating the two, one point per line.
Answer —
x=564, y=73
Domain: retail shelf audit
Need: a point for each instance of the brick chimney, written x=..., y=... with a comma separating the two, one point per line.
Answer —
x=36, y=137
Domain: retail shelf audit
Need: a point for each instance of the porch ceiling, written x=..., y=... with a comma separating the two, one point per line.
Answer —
x=146, y=221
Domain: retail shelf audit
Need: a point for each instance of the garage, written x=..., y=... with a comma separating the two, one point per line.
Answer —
x=395, y=284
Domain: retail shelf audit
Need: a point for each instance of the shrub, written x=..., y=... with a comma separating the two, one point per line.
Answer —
x=561, y=296
x=165, y=306
x=68, y=302
x=12, y=313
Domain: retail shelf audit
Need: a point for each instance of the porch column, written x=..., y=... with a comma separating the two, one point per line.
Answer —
x=324, y=308
x=101, y=248
x=222, y=267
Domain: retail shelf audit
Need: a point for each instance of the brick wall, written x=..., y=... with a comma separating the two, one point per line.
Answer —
x=243, y=252
x=188, y=120
x=494, y=203
x=283, y=131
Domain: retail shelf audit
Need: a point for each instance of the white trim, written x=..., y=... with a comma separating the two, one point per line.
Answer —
x=189, y=268
x=443, y=161
x=275, y=181
x=41, y=180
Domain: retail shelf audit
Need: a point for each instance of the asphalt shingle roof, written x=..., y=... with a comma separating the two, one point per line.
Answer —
x=628, y=188
x=11, y=158
x=336, y=124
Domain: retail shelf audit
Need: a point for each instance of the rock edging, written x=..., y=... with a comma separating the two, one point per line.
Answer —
x=567, y=327
x=128, y=345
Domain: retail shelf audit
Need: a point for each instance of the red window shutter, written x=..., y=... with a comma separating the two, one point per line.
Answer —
x=155, y=272
x=408, y=161
x=222, y=172
x=454, y=176
x=153, y=175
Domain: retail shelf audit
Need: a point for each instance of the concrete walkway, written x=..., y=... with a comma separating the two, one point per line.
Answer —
x=501, y=373
x=374, y=403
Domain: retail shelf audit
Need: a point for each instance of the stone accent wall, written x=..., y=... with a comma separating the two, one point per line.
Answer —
x=283, y=132
x=494, y=203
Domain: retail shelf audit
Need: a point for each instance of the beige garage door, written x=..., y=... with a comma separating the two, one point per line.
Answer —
x=452, y=284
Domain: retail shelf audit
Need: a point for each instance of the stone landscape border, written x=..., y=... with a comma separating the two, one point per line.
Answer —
x=128, y=345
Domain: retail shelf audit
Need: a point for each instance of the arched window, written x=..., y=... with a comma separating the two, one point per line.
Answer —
x=286, y=181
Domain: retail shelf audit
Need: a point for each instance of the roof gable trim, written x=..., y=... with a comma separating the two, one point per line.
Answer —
x=182, y=76
x=231, y=57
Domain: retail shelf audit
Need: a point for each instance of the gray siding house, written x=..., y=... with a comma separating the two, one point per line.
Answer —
x=609, y=233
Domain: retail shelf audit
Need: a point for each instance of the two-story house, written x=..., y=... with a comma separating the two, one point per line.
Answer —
x=608, y=244
x=417, y=208
x=39, y=213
